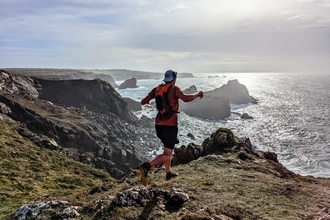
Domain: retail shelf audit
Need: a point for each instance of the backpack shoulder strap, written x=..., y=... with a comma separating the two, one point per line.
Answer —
x=162, y=88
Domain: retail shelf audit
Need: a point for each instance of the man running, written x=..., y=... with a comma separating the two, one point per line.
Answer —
x=166, y=125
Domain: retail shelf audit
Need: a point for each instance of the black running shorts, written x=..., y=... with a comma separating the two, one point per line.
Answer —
x=168, y=135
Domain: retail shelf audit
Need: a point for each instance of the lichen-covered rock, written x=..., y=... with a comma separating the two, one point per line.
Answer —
x=185, y=154
x=136, y=195
x=178, y=194
x=40, y=210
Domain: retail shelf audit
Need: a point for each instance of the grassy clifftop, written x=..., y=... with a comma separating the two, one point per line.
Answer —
x=28, y=172
x=219, y=186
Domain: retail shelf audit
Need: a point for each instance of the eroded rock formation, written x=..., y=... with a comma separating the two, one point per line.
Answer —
x=216, y=103
x=129, y=83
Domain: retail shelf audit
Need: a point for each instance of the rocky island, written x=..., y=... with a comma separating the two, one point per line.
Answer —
x=69, y=149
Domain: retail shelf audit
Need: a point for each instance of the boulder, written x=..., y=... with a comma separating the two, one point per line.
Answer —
x=129, y=83
x=190, y=135
x=246, y=116
x=4, y=109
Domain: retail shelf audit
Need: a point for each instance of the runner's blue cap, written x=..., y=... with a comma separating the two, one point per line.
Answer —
x=169, y=75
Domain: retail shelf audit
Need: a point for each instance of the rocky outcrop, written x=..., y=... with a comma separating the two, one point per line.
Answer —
x=246, y=116
x=236, y=92
x=216, y=103
x=15, y=84
x=129, y=83
x=208, y=107
x=223, y=141
x=87, y=116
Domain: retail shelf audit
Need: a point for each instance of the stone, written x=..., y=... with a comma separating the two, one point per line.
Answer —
x=4, y=109
x=178, y=194
x=138, y=195
x=39, y=209
x=191, y=136
x=246, y=116
x=71, y=212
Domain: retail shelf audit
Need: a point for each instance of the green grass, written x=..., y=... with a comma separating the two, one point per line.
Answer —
x=28, y=172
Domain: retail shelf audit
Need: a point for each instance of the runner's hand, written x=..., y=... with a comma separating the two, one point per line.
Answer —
x=200, y=94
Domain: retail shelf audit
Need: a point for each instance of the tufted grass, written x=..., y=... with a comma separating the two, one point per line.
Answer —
x=29, y=173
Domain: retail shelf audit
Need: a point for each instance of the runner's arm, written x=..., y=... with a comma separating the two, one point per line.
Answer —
x=189, y=97
x=147, y=99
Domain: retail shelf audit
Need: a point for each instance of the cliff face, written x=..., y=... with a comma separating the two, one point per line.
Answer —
x=86, y=116
x=94, y=95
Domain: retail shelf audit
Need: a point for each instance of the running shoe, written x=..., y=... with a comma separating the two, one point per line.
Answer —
x=171, y=175
x=144, y=173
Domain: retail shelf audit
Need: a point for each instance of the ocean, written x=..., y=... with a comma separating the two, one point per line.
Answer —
x=292, y=117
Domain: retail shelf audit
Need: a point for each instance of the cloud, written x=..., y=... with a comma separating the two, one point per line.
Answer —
x=202, y=35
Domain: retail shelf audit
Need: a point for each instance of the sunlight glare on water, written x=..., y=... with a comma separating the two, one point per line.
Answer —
x=291, y=119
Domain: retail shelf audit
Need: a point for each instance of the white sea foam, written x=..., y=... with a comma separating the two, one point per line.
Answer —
x=291, y=119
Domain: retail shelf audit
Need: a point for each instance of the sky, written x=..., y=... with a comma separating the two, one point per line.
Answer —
x=156, y=35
